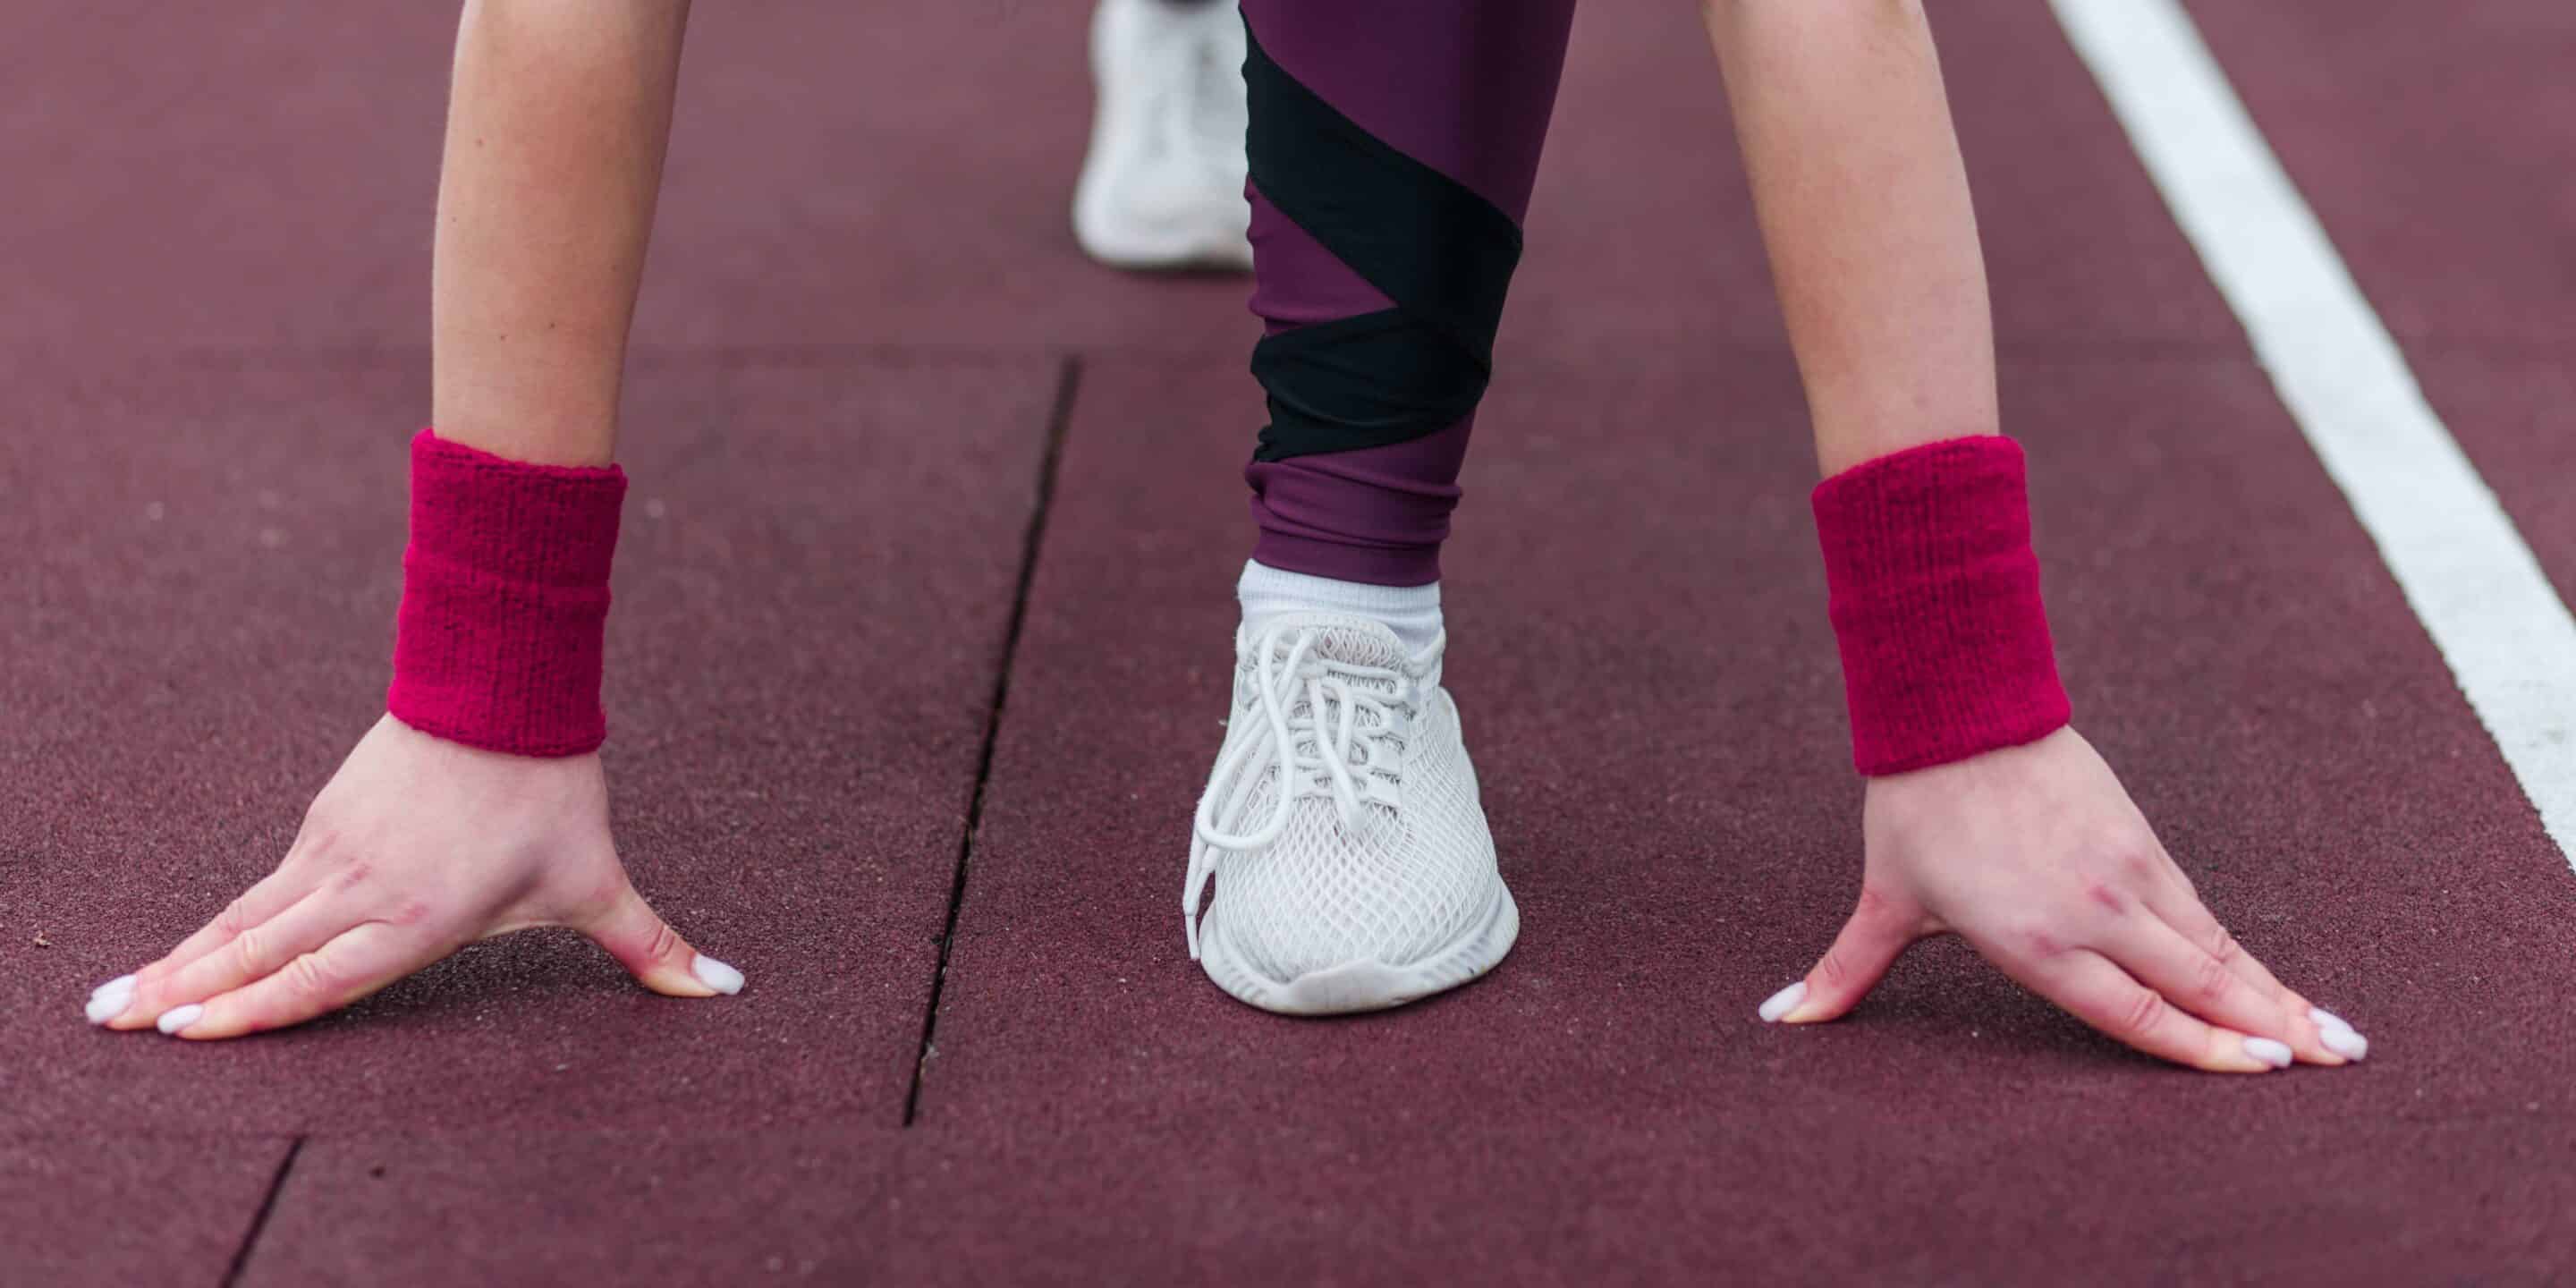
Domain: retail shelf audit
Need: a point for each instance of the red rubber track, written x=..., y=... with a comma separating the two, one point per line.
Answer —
x=2436, y=150
x=863, y=316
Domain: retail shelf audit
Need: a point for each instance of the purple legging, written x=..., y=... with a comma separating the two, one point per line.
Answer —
x=1465, y=87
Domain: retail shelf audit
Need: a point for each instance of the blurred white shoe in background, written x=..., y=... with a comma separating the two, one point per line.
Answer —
x=1162, y=187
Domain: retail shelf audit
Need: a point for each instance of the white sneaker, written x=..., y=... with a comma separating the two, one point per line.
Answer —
x=1162, y=186
x=1353, y=867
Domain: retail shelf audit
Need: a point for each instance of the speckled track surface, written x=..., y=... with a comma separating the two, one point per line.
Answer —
x=872, y=366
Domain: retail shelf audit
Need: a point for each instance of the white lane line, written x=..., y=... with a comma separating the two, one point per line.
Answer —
x=2509, y=641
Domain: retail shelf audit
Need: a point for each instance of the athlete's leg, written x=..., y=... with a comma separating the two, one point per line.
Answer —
x=1392, y=153
x=1357, y=474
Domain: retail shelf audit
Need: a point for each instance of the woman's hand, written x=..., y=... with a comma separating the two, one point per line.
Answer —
x=417, y=847
x=2037, y=857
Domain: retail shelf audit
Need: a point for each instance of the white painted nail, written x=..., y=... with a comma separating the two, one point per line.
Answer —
x=110, y=1000
x=716, y=975
x=173, y=1021
x=2326, y=1019
x=1783, y=1002
x=2275, y=1054
x=2344, y=1042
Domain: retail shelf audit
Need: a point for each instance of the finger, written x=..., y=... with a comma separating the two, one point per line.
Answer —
x=2174, y=900
x=1879, y=929
x=2159, y=957
x=271, y=895
x=2099, y=993
x=255, y=953
x=654, y=953
x=2175, y=903
x=357, y=962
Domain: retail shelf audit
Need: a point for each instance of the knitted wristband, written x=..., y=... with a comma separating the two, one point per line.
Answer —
x=505, y=600
x=1935, y=603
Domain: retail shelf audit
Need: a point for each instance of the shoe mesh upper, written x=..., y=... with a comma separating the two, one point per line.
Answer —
x=1408, y=882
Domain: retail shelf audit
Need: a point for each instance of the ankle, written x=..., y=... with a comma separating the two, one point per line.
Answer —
x=1412, y=612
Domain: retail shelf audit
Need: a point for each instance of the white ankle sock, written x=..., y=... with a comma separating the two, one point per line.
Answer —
x=1412, y=612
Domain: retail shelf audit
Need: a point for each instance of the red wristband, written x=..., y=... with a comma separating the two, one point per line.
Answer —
x=505, y=600
x=1935, y=604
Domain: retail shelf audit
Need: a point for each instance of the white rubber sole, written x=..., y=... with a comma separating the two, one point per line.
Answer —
x=1364, y=985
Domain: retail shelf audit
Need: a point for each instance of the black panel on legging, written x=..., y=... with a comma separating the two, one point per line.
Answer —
x=1444, y=254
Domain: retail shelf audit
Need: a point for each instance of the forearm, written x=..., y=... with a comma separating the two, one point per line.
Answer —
x=1864, y=208
x=555, y=137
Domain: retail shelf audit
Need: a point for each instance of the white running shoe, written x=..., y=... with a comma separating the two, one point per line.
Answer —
x=1353, y=867
x=1162, y=186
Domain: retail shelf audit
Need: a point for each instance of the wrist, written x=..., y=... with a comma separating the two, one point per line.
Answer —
x=1934, y=596
x=500, y=640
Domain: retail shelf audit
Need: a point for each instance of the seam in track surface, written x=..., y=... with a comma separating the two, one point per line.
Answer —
x=259, y=1219
x=1068, y=383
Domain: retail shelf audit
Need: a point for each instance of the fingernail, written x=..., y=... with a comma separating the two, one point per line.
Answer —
x=2344, y=1042
x=110, y=1000
x=2275, y=1054
x=2326, y=1019
x=173, y=1021
x=1783, y=1002
x=716, y=975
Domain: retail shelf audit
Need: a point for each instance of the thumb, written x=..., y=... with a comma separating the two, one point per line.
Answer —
x=1878, y=931
x=654, y=953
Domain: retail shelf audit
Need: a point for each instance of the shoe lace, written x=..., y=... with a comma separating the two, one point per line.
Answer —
x=1315, y=753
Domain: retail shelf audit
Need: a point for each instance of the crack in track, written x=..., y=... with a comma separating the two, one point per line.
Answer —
x=259, y=1219
x=1068, y=383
